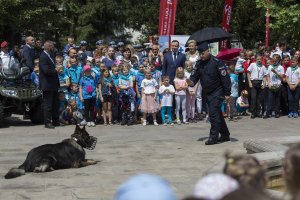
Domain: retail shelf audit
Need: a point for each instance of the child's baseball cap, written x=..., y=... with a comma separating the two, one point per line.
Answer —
x=86, y=67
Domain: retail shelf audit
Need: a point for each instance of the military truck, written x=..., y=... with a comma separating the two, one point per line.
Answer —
x=18, y=95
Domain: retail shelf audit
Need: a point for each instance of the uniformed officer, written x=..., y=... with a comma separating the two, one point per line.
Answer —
x=216, y=84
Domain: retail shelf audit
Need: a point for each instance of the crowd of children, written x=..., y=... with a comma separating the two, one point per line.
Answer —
x=127, y=88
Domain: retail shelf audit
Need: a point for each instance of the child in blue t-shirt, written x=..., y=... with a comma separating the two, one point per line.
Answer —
x=73, y=94
x=234, y=92
x=75, y=71
x=35, y=74
x=62, y=101
x=139, y=77
x=87, y=94
x=127, y=96
x=64, y=79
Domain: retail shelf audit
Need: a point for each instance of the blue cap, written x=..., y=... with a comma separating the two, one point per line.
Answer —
x=82, y=56
x=145, y=187
x=120, y=44
x=99, y=42
x=202, y=47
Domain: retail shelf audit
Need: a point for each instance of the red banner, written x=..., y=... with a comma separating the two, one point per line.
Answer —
x=267, y=25
x=226, y=20
x=167, y=13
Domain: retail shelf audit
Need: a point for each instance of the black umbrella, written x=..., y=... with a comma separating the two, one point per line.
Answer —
x=211, y=34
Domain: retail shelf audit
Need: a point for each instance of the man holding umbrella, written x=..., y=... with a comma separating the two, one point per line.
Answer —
x=216, y=84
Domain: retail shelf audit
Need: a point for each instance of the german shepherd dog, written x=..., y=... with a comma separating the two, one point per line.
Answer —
x=67, y=154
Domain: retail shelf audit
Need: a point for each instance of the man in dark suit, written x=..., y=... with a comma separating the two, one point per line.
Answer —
x=49, y=84
x=173, y=60
x=28, y=53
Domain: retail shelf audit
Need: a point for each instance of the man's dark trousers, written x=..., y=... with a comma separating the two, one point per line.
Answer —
x=218, y=124
x=51, y=106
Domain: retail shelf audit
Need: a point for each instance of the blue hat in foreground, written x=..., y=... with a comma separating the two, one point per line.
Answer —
x=202, y=47
x=145, y=187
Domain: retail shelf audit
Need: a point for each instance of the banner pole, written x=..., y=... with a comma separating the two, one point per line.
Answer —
x=267, y=24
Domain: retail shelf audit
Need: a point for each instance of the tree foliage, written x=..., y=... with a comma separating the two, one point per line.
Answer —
x=284, y=19
x=92, y=19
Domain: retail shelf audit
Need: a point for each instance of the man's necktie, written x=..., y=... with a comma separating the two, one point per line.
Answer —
x=175, y=56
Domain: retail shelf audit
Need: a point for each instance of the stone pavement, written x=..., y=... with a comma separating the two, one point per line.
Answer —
x=177, y=153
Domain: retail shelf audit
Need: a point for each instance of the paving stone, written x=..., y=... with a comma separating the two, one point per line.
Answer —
x=172, y=152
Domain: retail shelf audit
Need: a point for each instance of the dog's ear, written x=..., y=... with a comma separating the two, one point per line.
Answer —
x=77, y=128
x=83, y=128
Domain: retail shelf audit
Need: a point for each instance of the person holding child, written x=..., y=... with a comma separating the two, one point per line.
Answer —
x=149, y=91
x=87, y=94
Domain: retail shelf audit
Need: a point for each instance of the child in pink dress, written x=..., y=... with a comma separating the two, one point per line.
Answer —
x=148, y=104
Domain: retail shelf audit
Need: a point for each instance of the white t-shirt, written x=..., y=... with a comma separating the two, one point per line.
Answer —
x=242, y=100
x=167, y=99
x=6, y=62
x=256, y=72
x=149, y=86
x=274, y=79
x=293, y=76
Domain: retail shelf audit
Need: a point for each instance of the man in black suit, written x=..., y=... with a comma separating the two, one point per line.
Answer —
x=49, y=84
x=28, y=53
x=173, y=60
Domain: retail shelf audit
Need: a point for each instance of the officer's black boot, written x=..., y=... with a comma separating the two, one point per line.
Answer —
x=211, y=141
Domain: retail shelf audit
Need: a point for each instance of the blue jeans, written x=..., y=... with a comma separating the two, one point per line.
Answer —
x=163, y=111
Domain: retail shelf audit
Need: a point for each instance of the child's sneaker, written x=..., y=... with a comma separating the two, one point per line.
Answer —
x=165, y=124
x=178, y=122
x=89, y=124
x=185, y=122
x=291, y=115
x=83, y=123
x=172, y=124
x=144, y=123
x=155, y=123
x=296, y=115
x=93, y=124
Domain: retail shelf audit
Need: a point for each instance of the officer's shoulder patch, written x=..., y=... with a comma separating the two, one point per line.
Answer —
x=223, y=71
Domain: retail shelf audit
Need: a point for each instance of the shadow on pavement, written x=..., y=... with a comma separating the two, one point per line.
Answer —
x=206, y=138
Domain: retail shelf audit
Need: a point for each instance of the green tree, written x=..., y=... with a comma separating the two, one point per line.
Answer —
x=284, y=19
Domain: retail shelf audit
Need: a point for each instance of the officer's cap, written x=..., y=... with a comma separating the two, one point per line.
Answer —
x=202, y=47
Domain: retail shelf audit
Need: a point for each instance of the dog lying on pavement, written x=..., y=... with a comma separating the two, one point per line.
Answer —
x=67, y=154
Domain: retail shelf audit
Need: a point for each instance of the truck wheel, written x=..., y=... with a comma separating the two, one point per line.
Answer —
x=1, y=115
x=37, y=115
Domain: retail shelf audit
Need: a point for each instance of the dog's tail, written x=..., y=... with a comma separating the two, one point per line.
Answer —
x=15, y=172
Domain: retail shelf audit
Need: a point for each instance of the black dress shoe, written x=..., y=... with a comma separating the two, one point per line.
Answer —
x=49, y=125
x=265, y=116
x=277, y=115
x=223, y=139
x=211, y=142
x=55, y=123
x=253, y=116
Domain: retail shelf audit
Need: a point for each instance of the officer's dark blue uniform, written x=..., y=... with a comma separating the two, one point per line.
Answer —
x=216, y=84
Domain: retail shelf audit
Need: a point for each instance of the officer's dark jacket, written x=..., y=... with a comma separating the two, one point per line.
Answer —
x=213, y=76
